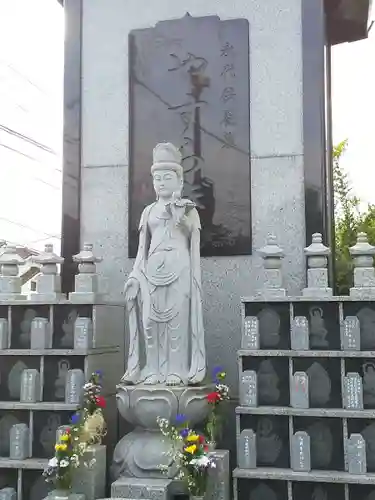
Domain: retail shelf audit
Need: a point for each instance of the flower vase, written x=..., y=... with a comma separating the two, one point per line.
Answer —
x=60, y=494
x=211, y=445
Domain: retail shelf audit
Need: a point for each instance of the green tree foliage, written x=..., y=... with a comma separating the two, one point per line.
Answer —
x=349, y=221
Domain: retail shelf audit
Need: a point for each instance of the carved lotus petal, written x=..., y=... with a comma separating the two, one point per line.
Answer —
x=142, y=404
x=123, y=404
x=193, y=404
x=148, y=404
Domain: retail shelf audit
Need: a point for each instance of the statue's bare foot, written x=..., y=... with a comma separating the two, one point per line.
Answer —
x=173, y=380
x=151, y=380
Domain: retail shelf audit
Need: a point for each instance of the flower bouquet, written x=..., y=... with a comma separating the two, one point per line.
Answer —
x=215, y=400
x=60, y=468
x=87, y=428
x=90, y=417
x=190, y=455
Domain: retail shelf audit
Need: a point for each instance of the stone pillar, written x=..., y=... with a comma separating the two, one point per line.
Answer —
x=10, y=282
x=48, y=283
x=86, y=281
x=272, y=255
x=91, y=480
x=364, y=272
x=317, y=272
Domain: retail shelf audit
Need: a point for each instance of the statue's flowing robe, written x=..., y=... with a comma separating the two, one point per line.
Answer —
x=140, y=310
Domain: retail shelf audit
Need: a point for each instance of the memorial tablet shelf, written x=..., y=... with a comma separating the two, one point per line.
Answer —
x=306, y=420
x=46, y=353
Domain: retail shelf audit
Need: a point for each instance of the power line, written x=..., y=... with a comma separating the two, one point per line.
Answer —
x=23, y=76
x=29, y=227
x=27, y=139
x=27, y=156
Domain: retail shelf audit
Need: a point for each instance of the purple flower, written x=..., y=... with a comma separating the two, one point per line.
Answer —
x=180, y=418
x=75, y=418
x=184, y=433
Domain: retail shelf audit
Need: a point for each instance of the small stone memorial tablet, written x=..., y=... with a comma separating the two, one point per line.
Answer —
x=246, y=450
x=350, y=334
x=75, y=381
x=8, y=494
x=356, y=454
x=41, y=337
x=4, y=333
x=83, y=333
x=250, y=334
x=300, y=334
x=299, y=390
x=353, y=392
x=300, y=451
x=248, y=389
x=19, y=447
x=30, y=386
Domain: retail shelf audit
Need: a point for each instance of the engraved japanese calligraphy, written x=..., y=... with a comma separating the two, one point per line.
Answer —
x=189, y=84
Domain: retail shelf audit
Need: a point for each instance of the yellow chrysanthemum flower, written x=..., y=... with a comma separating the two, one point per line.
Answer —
x=65, y=437
x=61, y=447
x=191, y=449
x=192, y=438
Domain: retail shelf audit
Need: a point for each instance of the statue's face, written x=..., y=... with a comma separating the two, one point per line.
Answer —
x=166, y=182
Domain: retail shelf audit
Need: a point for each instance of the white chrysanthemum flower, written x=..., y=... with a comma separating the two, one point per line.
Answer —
x=64, y=463
x=53, y=462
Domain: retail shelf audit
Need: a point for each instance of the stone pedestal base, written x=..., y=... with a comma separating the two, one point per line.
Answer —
x=218, y=487
x=72, y=496
x=84, y=297
x=12, y=296
x=10, y=286
x=364, y=277
x=47, y=284
x=317, y=293
x=140, y=453
x=145, y=489
x=362, y=293
x=47, y=297
x=271, y=293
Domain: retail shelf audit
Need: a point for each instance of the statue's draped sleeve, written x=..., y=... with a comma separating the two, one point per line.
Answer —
x=141, y=304
x=198, y=350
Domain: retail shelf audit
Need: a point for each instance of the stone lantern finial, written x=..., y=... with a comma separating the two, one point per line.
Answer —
x=317, y=272
x=272, y=255
x=364, y=273
x=86, y=281
x=10, y=281
x=48, y=283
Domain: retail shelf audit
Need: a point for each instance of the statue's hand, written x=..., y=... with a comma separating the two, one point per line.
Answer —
x=131, y=289
x=183, y=222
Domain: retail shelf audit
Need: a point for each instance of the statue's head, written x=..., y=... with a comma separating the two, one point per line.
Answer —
x=166, y=171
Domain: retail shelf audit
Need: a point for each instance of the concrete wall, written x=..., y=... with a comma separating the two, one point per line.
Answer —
x=276, y=149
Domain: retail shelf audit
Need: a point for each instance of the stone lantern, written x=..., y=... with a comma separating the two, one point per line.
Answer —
x=272, y=255
x=48, y=283
x=86, y=281
x=10, y=281
x=364, y=273
x=317, y=272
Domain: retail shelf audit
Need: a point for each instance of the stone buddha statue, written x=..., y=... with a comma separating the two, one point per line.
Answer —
x=163, y=291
